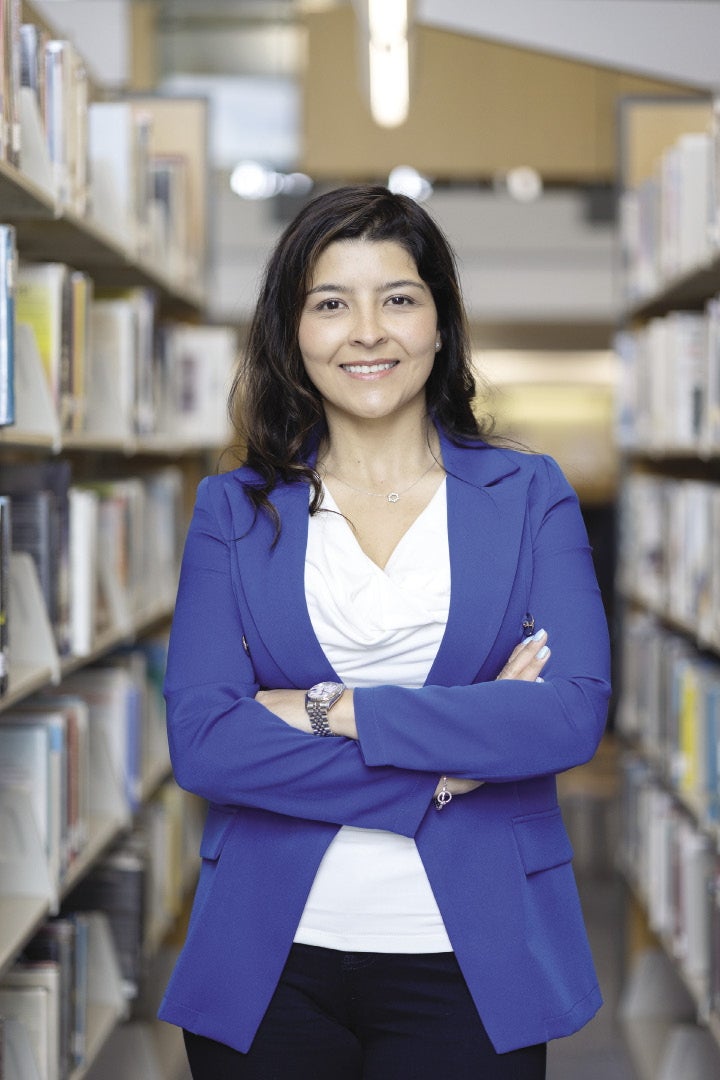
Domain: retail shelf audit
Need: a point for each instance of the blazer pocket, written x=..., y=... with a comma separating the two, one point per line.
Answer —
x=542, y=840
x=216, y=829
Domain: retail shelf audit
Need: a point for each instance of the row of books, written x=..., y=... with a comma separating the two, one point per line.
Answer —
x=139, y=195
x=670, y=707
x=669, y=223
x=675, y=868
x=112, y=369
x=53, y=84
x=50, y=990
x=96, y=156
x=669, y=550
x=668, y=394
x=46, y=992
x=100, y=549
x=85, y=753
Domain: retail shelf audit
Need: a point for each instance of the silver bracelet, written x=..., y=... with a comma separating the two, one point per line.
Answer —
x=444, y=795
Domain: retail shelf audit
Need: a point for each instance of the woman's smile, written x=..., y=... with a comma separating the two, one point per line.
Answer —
x=369, y=370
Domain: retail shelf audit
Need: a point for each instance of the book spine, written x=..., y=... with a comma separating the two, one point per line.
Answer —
x=5, y=545
x=8, y=274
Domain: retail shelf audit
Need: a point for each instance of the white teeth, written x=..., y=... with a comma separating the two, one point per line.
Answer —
x=367, y=369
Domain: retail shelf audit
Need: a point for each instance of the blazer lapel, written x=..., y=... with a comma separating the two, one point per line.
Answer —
x=273, y=580
x=486, y=509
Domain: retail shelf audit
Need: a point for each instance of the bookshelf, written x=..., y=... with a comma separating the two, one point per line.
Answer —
x=668, y=580
x=88, y=608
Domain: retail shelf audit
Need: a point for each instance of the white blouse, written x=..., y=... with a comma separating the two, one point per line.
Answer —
x=371, y=892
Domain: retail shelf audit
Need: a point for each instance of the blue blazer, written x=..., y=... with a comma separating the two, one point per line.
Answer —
x=498, y=859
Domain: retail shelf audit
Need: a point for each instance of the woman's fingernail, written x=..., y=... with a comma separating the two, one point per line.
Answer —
x=542, y=653
x=537, y=635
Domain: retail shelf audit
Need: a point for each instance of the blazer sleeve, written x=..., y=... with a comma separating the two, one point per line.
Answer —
x=512, y=730
x=233, y=751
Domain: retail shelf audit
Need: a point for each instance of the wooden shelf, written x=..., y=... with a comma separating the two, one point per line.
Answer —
x=20, y=198
x=690, y=291
x=20, y=918
x=137, y=446
x=46, y=232
x=103, y=831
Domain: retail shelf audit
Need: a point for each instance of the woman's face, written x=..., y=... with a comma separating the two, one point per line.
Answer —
x=368, y=330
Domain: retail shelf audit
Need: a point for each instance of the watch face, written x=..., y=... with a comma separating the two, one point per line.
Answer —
x=321, y=690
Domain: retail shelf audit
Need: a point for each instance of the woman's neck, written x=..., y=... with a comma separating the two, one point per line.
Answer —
x=375, y=454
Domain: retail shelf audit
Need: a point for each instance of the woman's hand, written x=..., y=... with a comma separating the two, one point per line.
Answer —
x=525, y=663
x=289, y=705
x=527, y=659
x=457, y=785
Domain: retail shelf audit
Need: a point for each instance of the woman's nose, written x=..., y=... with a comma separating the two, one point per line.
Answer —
x=367, y=329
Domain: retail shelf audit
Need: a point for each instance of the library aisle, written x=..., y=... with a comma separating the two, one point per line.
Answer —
x=589, y=800
x=598, y=1051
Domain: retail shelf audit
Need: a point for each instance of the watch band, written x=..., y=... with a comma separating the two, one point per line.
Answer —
x=318, y=713
x=319, y=700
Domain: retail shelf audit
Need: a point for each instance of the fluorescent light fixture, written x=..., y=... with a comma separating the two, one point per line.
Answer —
x=389, y=60
x=405, y=180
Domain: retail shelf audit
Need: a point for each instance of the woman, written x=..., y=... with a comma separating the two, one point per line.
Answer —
x=354, y=683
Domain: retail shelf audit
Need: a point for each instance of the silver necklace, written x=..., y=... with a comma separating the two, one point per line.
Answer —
x=392, y=496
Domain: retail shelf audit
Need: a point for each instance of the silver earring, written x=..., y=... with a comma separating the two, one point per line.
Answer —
x=438, y=345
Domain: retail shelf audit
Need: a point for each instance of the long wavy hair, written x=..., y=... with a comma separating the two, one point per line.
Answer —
x=276, y=412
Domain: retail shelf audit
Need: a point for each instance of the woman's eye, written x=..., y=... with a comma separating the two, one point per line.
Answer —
x=329, y=305
x=400, y=301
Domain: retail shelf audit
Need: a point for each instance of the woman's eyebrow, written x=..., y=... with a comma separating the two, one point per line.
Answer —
x=328, y=287
x=402, y=283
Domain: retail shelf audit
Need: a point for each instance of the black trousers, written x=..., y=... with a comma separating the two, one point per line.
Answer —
x=367, y=1016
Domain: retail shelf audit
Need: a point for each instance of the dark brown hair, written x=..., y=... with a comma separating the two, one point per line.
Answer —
x=276, y=412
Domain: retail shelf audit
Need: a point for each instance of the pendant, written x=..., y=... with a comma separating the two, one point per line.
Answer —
x=392, y=497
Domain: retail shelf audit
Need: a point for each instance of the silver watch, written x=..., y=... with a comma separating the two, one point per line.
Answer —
x=319, y=700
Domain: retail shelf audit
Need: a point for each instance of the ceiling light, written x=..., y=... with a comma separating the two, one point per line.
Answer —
x=251, y=180
x=524, y=183
x=405, y=180
x=389, y=61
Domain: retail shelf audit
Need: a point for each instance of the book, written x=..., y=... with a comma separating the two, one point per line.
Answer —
x=10, y=80
x=31, y=1007
x=169, y=210
x=118, y=149
x=73, y=391
x=76, y=721
x=66, y=98
x=55, y=945
x=32, y=63
x=43, y=300
x=121, y=384
x=32, y=993
x=8, y=273
x=31, y=760
x=5, y=548
x=40, y=525
x=113, y=699
x=83, y=508
x=196, y=366
x=116, y=886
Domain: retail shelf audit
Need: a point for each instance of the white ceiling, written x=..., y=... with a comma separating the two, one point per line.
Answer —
x=676, y=40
